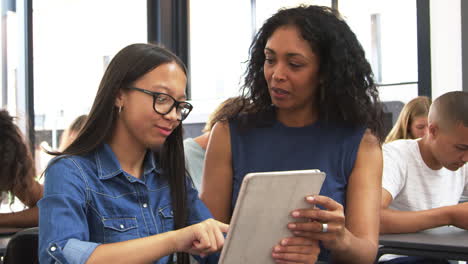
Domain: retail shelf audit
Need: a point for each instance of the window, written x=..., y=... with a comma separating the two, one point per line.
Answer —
x=266, y=8
x=73, y=42
x=387, y=31
x=10, y=60
x=219, y=43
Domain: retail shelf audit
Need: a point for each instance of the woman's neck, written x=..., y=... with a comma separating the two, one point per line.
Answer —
x=297, y=117
x=128, y=151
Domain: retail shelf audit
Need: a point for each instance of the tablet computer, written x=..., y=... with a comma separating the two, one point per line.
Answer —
x=263, y=210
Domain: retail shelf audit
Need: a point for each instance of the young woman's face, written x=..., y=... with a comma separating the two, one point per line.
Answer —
x=149, y=128
x=291, y=69
x=418, y=127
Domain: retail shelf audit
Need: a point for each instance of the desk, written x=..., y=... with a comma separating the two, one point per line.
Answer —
x=445, y=242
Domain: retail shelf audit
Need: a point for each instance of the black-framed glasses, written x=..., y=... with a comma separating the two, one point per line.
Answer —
x=164, y=103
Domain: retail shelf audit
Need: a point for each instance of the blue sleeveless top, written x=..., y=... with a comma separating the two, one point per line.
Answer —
x=331, y=148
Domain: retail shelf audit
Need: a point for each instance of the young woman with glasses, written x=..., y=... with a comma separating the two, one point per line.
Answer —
x=313, y=105
x=119, y=193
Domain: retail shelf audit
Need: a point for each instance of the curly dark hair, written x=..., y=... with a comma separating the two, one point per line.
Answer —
x=347, y=92
x=16, y=163
x=224, y=111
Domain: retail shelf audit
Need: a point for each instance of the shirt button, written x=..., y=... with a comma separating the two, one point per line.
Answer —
x=122, y=226
x=53, y=248
x=145, y=205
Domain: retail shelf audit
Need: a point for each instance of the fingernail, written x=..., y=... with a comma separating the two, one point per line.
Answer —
x=295, y=213
x=292, y=225
x=297, y=232
x=310, y=198
x=275, y=255
x=277, y=248
x=284, y=242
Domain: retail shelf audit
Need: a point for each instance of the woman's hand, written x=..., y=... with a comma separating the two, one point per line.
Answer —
x=326, y=225
x=201, y=239
x=296, y=250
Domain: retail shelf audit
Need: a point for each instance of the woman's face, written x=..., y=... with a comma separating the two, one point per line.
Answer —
x=291, y=69
x=147, y=127
x=418, y=127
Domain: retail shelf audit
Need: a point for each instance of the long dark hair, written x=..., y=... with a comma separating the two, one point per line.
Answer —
x=17, y=169
x=347, y=91
x=128, y=65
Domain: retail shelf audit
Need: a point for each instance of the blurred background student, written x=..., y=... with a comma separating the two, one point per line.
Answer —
x=66, y=138
x=17, y=176
x=71, y=132
x=195, y=148
x=412, y=121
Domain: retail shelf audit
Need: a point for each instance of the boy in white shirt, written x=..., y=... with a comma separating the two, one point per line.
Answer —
x=424, y=179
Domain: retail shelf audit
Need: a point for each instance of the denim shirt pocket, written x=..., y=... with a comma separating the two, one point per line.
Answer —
x=120, y=229
x=167, y=218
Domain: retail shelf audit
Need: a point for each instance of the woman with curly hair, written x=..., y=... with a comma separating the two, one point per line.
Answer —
x=412, y=121
x=312, y=105
x=17, y=174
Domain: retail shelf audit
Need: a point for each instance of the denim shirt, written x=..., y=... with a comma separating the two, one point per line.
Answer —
x=89, y=200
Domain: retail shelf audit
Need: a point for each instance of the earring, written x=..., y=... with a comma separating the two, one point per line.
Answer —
x=120, y=109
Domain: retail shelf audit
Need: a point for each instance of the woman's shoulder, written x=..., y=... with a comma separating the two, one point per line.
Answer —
x=70, y=165
x=67, y=174
x=72, y=160
x=369, y=139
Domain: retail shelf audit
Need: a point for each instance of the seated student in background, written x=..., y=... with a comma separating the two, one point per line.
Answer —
x=17, y=175
x=119, y=192
x=424, y=179
x=71, y=132
x=412, y=121
x=195, y=148
x=314, y=105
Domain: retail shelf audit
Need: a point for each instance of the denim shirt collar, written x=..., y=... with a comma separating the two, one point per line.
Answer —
x=108, y=166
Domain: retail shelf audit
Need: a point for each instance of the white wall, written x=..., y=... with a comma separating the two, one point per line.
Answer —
x=446, y=47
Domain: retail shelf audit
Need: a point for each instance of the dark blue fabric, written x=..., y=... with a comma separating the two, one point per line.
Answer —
x=328, y=147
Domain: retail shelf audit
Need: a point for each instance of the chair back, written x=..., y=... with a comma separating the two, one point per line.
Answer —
x=23, y=247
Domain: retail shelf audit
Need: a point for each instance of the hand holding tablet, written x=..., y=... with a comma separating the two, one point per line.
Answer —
x=263, y=211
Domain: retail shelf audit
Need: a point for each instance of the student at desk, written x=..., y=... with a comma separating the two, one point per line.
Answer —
x=17, y=175
x=423, y=179
x=412, y=121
